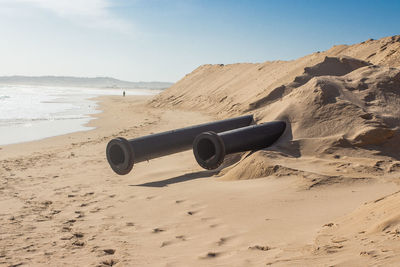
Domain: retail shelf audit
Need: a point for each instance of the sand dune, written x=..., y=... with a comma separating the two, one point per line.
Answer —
x=333, y=103
x=343, y=108
x=325, y=194
x=230, y=88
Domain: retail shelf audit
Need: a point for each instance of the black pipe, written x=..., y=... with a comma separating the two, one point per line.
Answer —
x=210, y=148
x=122, y=153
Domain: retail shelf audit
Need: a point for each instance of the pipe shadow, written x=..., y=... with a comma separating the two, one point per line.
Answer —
x=179, y=179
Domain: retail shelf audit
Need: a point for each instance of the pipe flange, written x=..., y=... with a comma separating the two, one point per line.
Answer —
x=209, y=150
x=120, y=155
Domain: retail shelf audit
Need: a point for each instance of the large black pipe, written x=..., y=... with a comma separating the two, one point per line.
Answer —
x=122, y=153
x=210, y=148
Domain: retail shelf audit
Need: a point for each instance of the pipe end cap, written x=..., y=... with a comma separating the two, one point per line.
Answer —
x=120, y=155
x=209, y=150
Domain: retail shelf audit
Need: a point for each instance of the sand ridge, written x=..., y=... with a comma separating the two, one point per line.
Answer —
x=335, y=105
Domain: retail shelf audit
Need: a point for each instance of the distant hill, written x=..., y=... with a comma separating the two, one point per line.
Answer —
x=96, y=82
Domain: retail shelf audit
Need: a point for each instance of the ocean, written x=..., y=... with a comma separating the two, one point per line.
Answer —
x=30, y=113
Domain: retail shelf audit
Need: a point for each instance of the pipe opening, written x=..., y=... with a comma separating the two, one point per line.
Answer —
x=206, y=149
x=117, y=155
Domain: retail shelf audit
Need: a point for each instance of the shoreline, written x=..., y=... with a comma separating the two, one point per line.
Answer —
x=53, y=111
x=93, y=123
x=61, y=204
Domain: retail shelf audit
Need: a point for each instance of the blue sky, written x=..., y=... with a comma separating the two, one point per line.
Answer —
x=148, y=40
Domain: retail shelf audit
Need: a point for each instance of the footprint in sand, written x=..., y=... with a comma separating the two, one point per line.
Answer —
x=331, y=248
x=181, y=237
x=54, y=212
x=210, y=255
x=49, y=253
x=109, y=251
x=78, y=235
x=110, y=262
x=87, y=194
x=338, y=239
x=78, y=243
x=67, y=237
x=222, y=241
x=371, y=253
x=165, y=243
x=258, y=247
x=169, y=242
x=66, y=229
x=158, y=230
x=47, y=203
x=97, y=209
x=80, y=214
x=93, y=237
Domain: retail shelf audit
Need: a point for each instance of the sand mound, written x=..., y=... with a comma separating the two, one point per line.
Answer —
x=339, y=114
x=261, y=164
x=360, y=108
x=329, y=66
x=343, y=112
x=229, y=89
x=333, y=103
x=256, y=166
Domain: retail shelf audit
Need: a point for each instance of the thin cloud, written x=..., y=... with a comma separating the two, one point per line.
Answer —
x=88, y=13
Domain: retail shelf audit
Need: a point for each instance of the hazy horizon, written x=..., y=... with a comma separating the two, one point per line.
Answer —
x=159, y=40
x=55, y=77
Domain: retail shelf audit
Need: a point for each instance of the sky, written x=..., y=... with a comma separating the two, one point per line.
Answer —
x=163, y=40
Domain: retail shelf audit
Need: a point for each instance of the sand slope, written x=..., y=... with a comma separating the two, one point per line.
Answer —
x=229, y=88
x=343, y=108
x=332, y=102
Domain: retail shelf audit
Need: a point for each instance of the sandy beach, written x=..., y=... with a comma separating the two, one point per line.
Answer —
x=325, y=194
x=289, y=153
x=61, y=205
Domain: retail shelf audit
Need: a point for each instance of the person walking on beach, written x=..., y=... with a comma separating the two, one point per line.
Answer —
x=123, y=94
